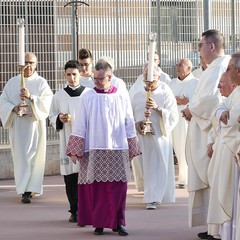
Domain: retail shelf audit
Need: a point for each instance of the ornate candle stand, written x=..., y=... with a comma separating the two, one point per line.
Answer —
x=23, y=106
x=152, y=48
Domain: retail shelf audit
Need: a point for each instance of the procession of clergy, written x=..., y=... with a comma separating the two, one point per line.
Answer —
x=101, y=125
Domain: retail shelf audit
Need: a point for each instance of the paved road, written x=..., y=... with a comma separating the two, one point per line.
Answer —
x=46, y=218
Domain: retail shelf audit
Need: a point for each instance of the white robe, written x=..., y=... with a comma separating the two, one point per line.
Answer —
x=63, y=103
x=86, y=81
x=238, y=209
x=27, y=134
x=197, y=72
x=184, y=88
x=221, y=176
x=205, y=99
x=157, y=155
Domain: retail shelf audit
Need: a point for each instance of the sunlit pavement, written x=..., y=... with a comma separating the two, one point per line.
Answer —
x=46, y=218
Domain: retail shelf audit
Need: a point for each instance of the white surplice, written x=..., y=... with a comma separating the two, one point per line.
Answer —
x=205, y=99
x=221, y=176
x=27, y=134
x=64, y=103
x=184, y=88
x=157, y=155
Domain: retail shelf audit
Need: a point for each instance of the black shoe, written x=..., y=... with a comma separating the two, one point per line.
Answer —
x=26, y=197
x=98, y=231
x=213, y=238
x=73, y=218
x=203, y=235
x=121, y=230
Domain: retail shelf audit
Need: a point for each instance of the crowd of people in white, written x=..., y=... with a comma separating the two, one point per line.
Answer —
x=195, y=116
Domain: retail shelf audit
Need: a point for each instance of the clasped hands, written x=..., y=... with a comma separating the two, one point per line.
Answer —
x=224, y=117
x=24, y=94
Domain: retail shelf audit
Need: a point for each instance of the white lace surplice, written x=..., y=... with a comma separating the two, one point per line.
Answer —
x=104, y=138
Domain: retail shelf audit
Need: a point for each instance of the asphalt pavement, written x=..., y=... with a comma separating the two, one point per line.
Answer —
x=46, y=217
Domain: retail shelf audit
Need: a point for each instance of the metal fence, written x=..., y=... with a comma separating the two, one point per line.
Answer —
x=56, y=29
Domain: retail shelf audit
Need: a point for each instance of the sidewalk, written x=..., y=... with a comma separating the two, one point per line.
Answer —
x=46, y=218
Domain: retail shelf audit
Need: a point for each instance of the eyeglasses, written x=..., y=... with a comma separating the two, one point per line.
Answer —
x=28, y=62
x=85, y=64
x=100, y=79
x=201, y=44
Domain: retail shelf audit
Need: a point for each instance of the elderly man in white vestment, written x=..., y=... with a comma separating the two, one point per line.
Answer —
x=65, y=103
x=136, y=87
x=183, y=88
x=139, y=83
x=225, y=86
x=223, y=177
x=199, y=113
x=27, y=133
x=157, y=155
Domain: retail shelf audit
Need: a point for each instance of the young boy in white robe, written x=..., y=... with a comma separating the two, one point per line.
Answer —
x=62, y=114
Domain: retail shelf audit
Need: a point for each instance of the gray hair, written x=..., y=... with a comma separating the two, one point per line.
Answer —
x=33, y=55
x=105, y=66
x=156, y=69
x=109, y=60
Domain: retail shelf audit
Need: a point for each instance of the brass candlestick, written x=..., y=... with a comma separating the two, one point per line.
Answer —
x=147, y=124
x=23, y=106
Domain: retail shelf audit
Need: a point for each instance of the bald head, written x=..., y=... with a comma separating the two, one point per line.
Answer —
x=226, y=86
x=184, y=68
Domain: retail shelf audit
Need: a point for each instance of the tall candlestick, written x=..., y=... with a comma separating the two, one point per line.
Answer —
x=151, y=54
x=21, y=49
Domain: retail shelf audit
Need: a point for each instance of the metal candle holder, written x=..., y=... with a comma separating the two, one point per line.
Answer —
x=147, y=124
x=23, y=106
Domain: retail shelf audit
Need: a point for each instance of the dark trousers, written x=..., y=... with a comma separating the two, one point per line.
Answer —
x=71, y=185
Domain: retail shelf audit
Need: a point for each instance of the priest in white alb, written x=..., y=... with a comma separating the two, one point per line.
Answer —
x=157, y=166
x=27, y=133
x=183, y=88
x=224, y=176
x=199, y=113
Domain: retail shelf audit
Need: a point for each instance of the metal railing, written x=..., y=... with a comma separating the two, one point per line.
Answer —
x=55, y=30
